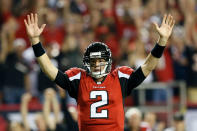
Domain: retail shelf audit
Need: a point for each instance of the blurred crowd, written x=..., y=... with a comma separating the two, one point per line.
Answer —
x=43, y=120
x=124, y=25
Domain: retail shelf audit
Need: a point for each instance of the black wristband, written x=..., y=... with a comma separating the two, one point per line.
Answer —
x=157, y=51
x=38, y=49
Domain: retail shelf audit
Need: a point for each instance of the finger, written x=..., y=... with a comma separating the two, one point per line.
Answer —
x=172, y=25
x=168, y=19
x=164, y=19
x=156, y=25
x=36, y=18
x=42, y=27
x=26, y=23
x=32, y=18
x=171, y=20
x=28, y=20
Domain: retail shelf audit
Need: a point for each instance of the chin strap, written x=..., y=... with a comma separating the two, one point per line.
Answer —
x=98, y=75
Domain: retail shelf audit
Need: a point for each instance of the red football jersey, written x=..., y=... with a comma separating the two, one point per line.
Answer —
x=100, y=105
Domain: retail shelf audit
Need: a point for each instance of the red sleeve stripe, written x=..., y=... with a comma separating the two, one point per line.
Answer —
x=120, y=74
x=77, y=76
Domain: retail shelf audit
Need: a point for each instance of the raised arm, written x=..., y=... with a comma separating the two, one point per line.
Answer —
x=49, y=95
x=56, y=108
x=34, y=32
x=152, y=59
x=164, y=32
x=24, y=110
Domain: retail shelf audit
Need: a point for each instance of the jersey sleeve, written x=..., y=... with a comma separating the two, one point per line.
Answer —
x=129, y=79
x=124, y=74
x=69, y=81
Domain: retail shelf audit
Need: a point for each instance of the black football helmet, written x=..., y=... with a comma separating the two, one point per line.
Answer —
x=98, y=50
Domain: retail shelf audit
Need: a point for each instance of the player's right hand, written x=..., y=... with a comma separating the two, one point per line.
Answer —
x=32, y=28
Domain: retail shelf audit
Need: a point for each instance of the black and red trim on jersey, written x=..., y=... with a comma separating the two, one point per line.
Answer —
x=63, y=81
x=127, y=83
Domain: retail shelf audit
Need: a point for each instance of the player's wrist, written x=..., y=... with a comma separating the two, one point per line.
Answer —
x=162, y=41
x=34, y=40
x=38, y=49
x=158, y=50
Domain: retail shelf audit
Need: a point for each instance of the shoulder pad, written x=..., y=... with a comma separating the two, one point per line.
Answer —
x=74, y=73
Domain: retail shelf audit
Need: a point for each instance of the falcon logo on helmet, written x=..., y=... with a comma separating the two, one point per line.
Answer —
x=98, y=50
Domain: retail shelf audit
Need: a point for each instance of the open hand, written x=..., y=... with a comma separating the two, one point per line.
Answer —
x=166, y=27
x=32, y=28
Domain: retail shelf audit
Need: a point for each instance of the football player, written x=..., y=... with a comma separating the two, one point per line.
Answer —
x=98, y=91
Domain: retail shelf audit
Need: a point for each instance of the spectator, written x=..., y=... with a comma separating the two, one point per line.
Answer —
x=191, y=55
x=50, y=103
x=178, y=123
x=134, y=120
x=43, y=120
x=16, y=69
x=178, y=53
x=39, y=120
x=53, y=33
x=151, y=119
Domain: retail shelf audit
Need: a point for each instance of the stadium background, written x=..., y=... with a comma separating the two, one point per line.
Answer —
x=125, y=26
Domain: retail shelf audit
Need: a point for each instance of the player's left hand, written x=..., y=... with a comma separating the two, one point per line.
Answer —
x=166, y=27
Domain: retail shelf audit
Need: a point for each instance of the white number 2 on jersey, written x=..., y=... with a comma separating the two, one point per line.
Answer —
x=94, y=106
